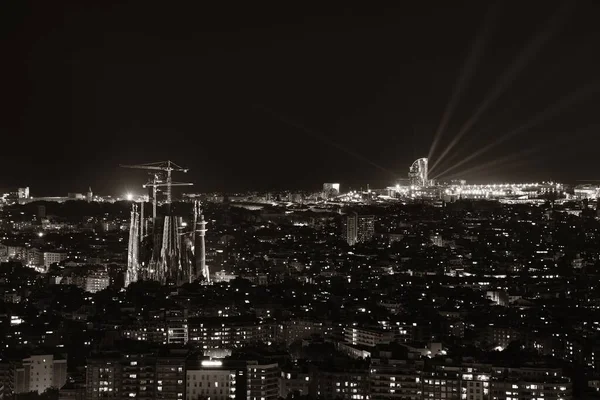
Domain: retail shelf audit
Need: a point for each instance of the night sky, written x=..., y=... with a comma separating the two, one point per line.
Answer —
x=288, y=96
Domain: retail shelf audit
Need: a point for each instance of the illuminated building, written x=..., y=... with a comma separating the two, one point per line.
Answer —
x=51, y=257
x=294, y=380
x=39, y=373
x=586, y=191
x=530, y=383
x=506, y=191
x=263, y=381
x=139, y=375
x=437, y=240
x=177, y=326
x=349, y=229
x=301, y=329
x=500, y=336
x=177, y=255
x=417, y=174
x=23, y=193
x=212, y=379
x=366, y=228
x=358, y=228
x=103, y=378
x=147, y=333
x=97, y=281
x=200, y=245
x=342, y=383
x=395, y=379
x=229, y=333
x=498, y=297
x=133, y=250
x=35, y=257
x=453, y=382
x=331, y=190
x=168, y=326
x=368, y=337
x=170, y=376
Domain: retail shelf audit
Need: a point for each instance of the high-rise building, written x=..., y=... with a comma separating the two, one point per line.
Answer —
x=341, y=382
x=212, y=379
x=331, y=190
x=133, y=250
x=136, y=374
x=349, y=229
x=170, y=377
x=395, y=378
x=441, y=384
x=23, y=193
x=358, y=228
x=263, y=381
x=177, y=326
x=417, y=174
x=366, y=228
x=200, y=245
x=39, y=373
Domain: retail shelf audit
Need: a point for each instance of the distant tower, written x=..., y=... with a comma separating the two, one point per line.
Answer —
x=331, y=190
x=167, y=266
x=89, y=196
x=358, y=228
x=134, y=247
x=142, y=233
x=350, y=229
x=417, y=174
x=23, y=193
x=200, y=245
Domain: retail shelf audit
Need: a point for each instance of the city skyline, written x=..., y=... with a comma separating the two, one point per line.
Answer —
x=269, y=98
x=295, y=201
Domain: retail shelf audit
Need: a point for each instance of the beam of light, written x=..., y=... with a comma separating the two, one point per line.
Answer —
x=546, y=78
x=561, y=141
x=499, y=162
x=323, y=138
x=504, y=114
x=537, y=119
x=468, y=69
x=523, y=59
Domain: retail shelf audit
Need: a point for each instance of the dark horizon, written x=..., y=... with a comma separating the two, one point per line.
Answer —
x=291, y=96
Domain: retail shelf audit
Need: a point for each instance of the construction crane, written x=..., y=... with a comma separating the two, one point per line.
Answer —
x=164, y=166
x=155, y=183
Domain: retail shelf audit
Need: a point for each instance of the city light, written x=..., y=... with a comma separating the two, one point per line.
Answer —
x=212, y=363
x=387, y=225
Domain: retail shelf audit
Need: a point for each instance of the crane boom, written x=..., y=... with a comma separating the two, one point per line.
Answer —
x=157, y=166
x=166, y=166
